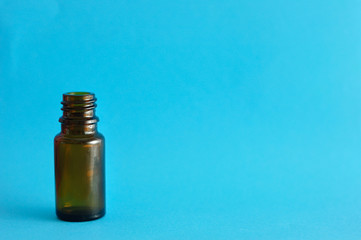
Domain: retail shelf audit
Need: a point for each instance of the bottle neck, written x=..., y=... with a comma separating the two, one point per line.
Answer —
x=88, y=129
x=78, y=114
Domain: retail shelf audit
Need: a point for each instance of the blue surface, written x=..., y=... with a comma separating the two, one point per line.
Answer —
x=223, y=119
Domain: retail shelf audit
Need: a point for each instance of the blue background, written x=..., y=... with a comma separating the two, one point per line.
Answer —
x=223, y=119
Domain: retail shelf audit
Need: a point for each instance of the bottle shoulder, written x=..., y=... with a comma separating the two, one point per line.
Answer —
x=91, y=138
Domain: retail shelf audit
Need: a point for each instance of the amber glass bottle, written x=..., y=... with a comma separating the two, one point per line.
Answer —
x=79, y=160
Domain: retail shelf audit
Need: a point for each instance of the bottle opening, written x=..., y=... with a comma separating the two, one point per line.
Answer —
x=72, y=97
x=78, y=93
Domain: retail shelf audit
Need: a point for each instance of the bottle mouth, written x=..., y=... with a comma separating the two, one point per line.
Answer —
x=78, y=93
x=79, y=107
x=78, y=96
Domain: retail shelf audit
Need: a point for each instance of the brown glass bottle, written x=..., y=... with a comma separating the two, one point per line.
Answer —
x=79, y=160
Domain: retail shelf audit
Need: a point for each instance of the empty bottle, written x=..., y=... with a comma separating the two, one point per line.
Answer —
x=79, y=160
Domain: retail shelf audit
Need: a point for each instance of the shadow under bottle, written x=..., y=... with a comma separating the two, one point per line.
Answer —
x=79, y=160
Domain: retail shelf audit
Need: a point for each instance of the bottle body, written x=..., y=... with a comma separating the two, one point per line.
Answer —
x=79, y=168
x=79, y=177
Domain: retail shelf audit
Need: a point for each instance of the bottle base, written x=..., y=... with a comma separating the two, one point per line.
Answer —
x=77, y=214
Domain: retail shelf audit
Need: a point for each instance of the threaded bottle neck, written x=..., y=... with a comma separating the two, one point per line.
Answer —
x=78, y=113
